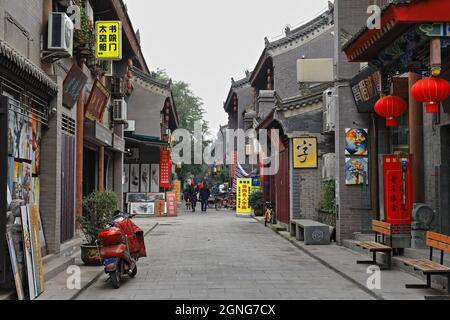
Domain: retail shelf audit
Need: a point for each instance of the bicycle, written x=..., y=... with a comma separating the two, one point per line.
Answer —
x=268, y=214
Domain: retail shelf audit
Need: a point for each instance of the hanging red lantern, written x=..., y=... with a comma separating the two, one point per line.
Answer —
x=130, y=63
x=129, y=74
x=390, y=107
x=431, y=91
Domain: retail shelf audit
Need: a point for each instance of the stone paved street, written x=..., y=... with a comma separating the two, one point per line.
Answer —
x=221, y=256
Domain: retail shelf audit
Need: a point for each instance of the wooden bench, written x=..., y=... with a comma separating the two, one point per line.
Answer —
x=381, y=229
x=310, y=231
x=429, y=267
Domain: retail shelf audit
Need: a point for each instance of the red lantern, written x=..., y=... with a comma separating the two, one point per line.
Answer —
x=390, y=107
x=431, y=91
x=129, y=74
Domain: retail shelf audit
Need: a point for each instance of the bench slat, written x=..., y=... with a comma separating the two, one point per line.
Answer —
x=373, y=246
x=438, y=241
x=438, y=245
x=382, y=227
x=427, y=266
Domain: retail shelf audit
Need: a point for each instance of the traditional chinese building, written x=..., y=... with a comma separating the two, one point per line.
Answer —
x=152, y=112
x=411, y=45
x=295, y=108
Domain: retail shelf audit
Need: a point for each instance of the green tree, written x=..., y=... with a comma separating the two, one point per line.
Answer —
x=190, y=110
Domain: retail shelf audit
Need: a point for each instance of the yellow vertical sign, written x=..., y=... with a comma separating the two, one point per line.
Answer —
x=177, y=189
x=108, y=40
x=305, y=153
x=243, y=190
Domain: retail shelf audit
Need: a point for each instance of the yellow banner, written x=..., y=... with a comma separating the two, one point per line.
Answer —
x=109, y=40
x=177, y=189
x=243, y=191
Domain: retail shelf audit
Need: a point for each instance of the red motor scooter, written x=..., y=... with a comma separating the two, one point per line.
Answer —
x=121, y=245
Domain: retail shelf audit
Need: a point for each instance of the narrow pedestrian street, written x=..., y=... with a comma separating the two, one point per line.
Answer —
x=220, y=256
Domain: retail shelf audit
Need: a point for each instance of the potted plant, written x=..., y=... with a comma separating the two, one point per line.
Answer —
x=98, y=209
x=256, y=202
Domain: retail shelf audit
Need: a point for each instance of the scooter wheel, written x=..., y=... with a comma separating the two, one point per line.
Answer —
x=133, y=273
x=115, y=279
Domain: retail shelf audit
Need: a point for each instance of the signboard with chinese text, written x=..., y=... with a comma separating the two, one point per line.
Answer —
x=165, y=168
x=171, y=204
x=243, y=191
x=98, y=99
x=366, y=89
x=398, y=190
x=305, y=153
x=109, y=40
x=72, y=86
x=177, y=189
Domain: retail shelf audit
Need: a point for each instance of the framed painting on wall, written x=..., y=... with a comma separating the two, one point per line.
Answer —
x=145, y=178
x=155, y=178
x=126, y=178
x=356, y=171
x=356, y=142
x=134, y=178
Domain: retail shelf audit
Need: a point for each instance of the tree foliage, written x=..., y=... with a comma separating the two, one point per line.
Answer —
x=190, y=110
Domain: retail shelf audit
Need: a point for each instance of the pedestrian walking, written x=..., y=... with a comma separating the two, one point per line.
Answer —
x=204, y=197
x=186, y=197
x=193, y=194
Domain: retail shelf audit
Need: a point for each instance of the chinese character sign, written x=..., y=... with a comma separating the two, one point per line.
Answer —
x=305, y=153
x=165, y=169
x=243, y=191
x=398, y=190
x=171, y=202
x=109, y=40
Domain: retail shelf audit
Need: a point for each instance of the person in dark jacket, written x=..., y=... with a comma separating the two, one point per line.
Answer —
x=204, y=197
x=193, y=197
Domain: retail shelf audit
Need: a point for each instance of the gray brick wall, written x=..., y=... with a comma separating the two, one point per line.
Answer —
x=245, y=101
x=27, y=15
x=354, y=213
x=285, y=64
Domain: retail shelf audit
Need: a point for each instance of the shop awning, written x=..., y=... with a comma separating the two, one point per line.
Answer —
x=23, y=68
x=397, y=17
x=148, y=141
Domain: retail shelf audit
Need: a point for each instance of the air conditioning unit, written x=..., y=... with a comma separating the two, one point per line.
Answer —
x=131, y=126
x=117, y=86
x=329, y=166
x=60, y=33
x=329, y=111
x=120, y=111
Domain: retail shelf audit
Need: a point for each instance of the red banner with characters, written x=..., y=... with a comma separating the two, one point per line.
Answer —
x=398, y=190
x=165, y=169
x=171, y=203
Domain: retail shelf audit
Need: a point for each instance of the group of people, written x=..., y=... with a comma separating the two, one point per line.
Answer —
x=194, y=193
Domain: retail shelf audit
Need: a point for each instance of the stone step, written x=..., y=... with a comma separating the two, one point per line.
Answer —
x=56, y=265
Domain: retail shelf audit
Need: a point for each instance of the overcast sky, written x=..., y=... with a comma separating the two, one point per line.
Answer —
x=206, y=42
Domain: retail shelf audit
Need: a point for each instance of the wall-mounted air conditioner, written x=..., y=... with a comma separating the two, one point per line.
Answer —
x=329, y=110
x=119, y=110
x=329, y=166
x=60, y=33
